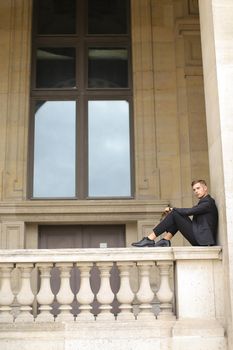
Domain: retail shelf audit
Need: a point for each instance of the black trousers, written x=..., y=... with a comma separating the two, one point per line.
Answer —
x=174, y=222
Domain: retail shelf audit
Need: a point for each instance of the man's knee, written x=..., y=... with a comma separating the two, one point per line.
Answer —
x=175, y=214
x=180, y=219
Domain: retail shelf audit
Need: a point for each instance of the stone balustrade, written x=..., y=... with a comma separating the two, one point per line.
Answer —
x=151, y=284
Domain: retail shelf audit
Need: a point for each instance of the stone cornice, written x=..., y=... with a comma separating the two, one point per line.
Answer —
x=74, y=210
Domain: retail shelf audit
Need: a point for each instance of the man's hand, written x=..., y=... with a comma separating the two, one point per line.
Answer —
x=168, y=210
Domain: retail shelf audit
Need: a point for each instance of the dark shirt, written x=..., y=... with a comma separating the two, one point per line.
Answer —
x=205, y=220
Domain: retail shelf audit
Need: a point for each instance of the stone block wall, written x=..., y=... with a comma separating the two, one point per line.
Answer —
x=169, y=116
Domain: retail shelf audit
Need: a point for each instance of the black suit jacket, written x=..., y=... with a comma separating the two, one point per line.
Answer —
x=205, y=220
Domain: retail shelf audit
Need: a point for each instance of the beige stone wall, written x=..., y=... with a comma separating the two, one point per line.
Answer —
x=169, y=110
x=170, y=127
x=169, y=113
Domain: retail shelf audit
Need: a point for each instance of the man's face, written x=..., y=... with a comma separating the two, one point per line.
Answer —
x=200, y=190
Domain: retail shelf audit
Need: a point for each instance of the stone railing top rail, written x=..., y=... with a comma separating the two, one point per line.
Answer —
x=109, y=254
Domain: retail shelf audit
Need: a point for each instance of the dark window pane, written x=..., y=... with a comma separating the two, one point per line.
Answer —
x=107, y=68
x=107, y=16
x=55, y=67
x=54, y=149
x=56, y=16
x=109, y=149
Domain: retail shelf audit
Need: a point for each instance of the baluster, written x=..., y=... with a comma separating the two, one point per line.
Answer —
x=65, y=295
x=125, y=295
x=25, y=297
x=6, y=294
x=45, y=296
x=145, y=294
x=105, y=295
x=85, y=296
x=165, y=293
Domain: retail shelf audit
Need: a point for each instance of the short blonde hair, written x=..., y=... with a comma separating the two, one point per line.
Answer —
x=194, y=182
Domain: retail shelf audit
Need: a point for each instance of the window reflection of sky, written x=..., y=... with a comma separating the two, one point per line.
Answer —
x=109, y=149
x=54, y=150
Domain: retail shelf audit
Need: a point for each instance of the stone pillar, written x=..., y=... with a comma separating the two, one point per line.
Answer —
x=145, y=294
x=65, y=295
x=12, y=236
x=85, y=296
x=6, y=294
x=125, y=295
x=25, y=297
x=105, y=295
x=166, y=100
x=147, y=178
x=15, y=18
x=195, y=290
x=45, y=295
x=165, y=293
x=198, y=298
x=216, y=19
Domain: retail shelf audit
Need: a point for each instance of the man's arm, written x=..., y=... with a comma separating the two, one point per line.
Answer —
x=202, y=208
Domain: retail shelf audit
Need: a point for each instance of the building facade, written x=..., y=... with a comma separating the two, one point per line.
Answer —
x=104, y=124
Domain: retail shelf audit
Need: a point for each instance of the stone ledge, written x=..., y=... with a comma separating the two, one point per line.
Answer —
x=118, y=210
x=77, y=205
x=113, y=335
x=108, y=254
x=161, y=327
x=196, y=253
x=168, y=328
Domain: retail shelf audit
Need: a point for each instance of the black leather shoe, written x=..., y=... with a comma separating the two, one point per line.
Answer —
x=144, y=242
x=163, y=243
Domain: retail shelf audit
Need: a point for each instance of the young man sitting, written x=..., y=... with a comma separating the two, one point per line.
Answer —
x=200, y=231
